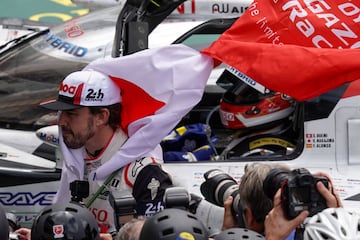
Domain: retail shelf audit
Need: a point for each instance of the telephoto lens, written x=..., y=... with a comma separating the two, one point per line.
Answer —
x=218, y=186
x=273, y=181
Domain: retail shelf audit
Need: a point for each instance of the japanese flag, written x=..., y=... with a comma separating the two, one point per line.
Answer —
x=158, y=88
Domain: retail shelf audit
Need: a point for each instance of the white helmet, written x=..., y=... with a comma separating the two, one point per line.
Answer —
x=333, y=223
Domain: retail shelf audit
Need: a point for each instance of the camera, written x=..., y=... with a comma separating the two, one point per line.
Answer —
x=124, y=205
x=79, y=190
x=298, y=191
x=177, y=197
x=218, y=186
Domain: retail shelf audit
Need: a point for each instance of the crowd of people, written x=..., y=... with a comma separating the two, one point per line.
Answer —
x=259, y=217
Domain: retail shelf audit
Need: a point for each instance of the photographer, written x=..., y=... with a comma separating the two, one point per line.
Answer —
x=62, y=221
x=174, y=223
x=253, y=205
x=277, y=224
x=131, y=230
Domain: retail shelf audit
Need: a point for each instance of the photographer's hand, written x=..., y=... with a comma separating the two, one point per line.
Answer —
x=332, y=198
x=23, y=233
x=105, y=236
x=230, y=220
x=277, y=226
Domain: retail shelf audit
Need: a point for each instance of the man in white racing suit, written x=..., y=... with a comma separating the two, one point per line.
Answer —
x=90, y=103
x=112, y=116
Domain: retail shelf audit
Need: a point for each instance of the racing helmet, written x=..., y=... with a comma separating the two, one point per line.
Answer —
x=333, y=223
x=238, y=234
x=65, y=221
x=173, y=223
x=247, y=103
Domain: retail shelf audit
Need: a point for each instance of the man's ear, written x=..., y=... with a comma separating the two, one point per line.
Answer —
x=250, y=221
x=248, y=217
x=102, y=117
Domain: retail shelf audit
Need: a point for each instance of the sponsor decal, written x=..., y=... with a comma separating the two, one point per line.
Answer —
x=227, y=116
x=181, y=8
x=51, y=138
x=337, y=17
x=58, y=231
x=66, y=47
x=153, y=186
x=26, y=198
x=246, y=79
x=270, y=141
x=65, y=88
x=191, y=7
x=101, y=215
x=138, y=165
x=152, y=208
x=94, y=96
x=73, y=30
x=318, y=140
x=26, y=218
x=226, y=8
x=185, y=236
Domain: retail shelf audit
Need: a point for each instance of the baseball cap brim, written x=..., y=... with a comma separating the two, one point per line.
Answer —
x=59, y=105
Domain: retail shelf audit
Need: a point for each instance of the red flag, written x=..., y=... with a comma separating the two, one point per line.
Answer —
x=261, y=45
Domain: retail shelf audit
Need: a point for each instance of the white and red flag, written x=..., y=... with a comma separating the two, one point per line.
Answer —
x=158, y=88
x=302, y=48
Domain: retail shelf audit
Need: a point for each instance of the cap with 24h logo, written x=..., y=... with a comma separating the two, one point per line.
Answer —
x=85, y=88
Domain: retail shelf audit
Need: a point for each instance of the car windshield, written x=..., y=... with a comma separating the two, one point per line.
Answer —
x=32, y=74
x=32, y=70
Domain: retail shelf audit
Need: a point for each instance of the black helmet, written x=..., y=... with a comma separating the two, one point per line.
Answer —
x=65, y=221
x=238, y=234
x=173, y=223
x=4, y=224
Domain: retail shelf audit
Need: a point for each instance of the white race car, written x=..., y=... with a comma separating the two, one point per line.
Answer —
x=320, y=134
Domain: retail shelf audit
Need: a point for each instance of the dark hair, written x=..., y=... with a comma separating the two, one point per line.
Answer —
x=114, y=118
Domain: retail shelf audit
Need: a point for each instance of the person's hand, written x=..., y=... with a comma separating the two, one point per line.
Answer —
x=277, y=226
x=230, y=220
x=23, y=233
x=105, y=236
x=331, y=196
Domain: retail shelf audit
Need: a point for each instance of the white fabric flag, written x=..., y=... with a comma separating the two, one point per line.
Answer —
x=158, y=87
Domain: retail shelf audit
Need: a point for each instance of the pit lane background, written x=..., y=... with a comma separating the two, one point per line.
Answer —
x=42, y=12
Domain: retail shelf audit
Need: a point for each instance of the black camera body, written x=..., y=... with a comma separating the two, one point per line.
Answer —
x=299, y=191
x=79, y=190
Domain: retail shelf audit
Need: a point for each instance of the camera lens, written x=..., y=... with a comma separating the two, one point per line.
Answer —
x=218, y=186
x=273, y=181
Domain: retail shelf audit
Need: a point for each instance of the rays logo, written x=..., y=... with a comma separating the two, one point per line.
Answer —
x=26, y=198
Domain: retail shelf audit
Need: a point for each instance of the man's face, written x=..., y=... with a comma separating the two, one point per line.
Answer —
x=77, y=127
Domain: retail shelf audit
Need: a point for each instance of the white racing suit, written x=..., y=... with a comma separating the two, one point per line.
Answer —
x=144, y=178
